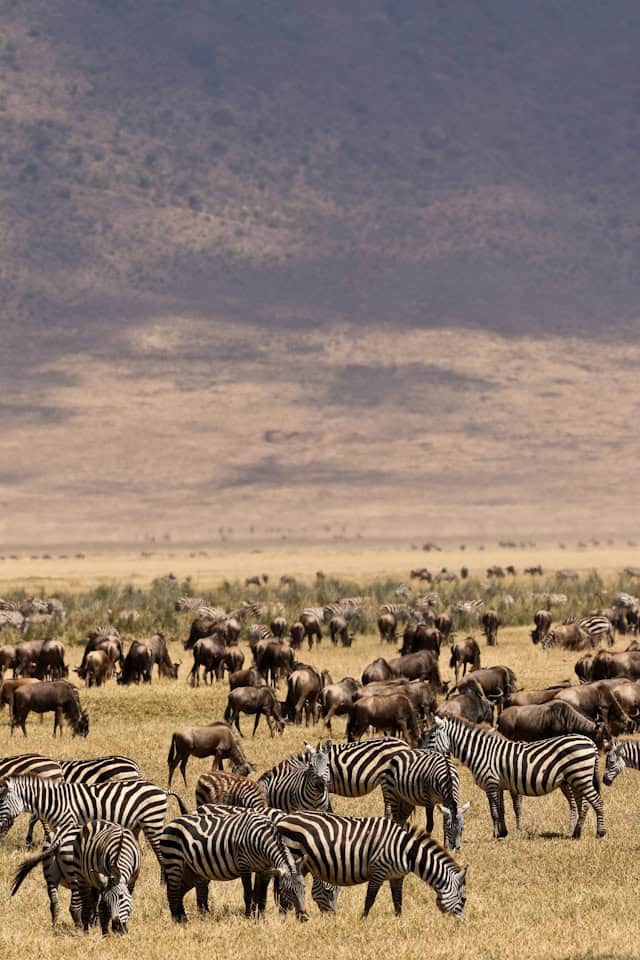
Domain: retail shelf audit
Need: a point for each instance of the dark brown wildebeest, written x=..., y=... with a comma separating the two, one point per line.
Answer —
x=420, y=692
x=27, y=654
x=137, y=664
x=160, y=656
x=253, y=581
x=51, y=665
x=303, y=692
x=387, y=625
x=103, y=638
x=98, y=668
x=490, y=624
x=598, y=702
x=607, y=665
x=200, y=628
x=233, y=660
x=279, y=627
x=584, y=667
x=553, y=719
x=6, y=692
x=542, y=624
x=7, y=659
x=55, y=695
x=420, y=666
x=421, y=573
x=471, y=704
x=527, y=698
x=258, y=702
x=464, y=653
x=569, y=636
x=215, y=740
x=444, y=624
x=495, y=571
x=511, y=570
x=421, y=638
x=464, y=573
x=296, y=632
x=628, y=696
x=244, y=678
x=339, y=630
x=208, y=654
x=336, y=699
x=312, y=628
x=275, y=660
x=392, y=713
x=497, y=682
x=378, y=670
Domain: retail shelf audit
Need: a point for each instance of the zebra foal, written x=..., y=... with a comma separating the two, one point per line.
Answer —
x=300, y=782
x=350, y=850
x=530, y=769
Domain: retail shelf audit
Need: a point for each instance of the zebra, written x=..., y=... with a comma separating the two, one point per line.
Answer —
x=470, y=607
x=90, y=772
x=99, y=862
x=222, y=787
x=356, y=769
x=216, y=614
x=621, y=754
x=136, y=804
x=224, y=843
x=401, y=611
x=30, y=764
x=349, y=850
x=598, y=628
x=347, y=607
x=532, y=769
x=189, y=603
x=8, y=604
x=425, y=778
x=299, y=782
x=12, y=618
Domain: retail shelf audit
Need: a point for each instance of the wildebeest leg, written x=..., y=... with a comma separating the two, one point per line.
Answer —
x=183, y=768
x=236, y=721
x=516, y=801
x=496, y=808
x=255, y=726
x=573, y=806
x=57, y=721
x=396, y=894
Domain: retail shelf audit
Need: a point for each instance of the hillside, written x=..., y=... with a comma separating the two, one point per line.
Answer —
x=357, y=265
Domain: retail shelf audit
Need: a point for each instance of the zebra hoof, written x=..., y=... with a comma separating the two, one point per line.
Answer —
x=601, y=833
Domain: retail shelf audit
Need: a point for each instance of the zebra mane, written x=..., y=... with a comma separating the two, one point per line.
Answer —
x=418, y=834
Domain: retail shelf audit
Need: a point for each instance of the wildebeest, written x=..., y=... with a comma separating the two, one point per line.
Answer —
x=27, y=654
x=569, y=636
x=421, y=637
x=444, y=624
x=303, y=692
x=50, y=664
x=7, y=689
x=497, y=682
x=279, y=627
x=200, y=628
x=55, y=695
x=160, y=656
x=598, y=702
x=387, y=625
x=275, y=660
x=258, y=702
x=378, y=670
x=137, y=664
x=553, y=719
x=244, y=678
x=337, y=699
x=339, y=630
x=208, y=654
x=392, y=713
x=420, y=692
x=628, y=696
x=542, y=624
x=464, y=653
x=312, y=628
x=490, y=624
x=470, y=704
x=525, y=698
x=296, y=633
x=7, y=659
x=607, y=665
x=214, y=740
x=584, y=666
x=98, y=668
x=419, y=666
x=103, y=638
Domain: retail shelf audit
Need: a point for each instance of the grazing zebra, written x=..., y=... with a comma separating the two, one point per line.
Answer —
x=226, y=843
x=424, y=778
x=99, y=862
x=136, y=804
x=230, y=789
x=347, y=607
x=621, y=754
x=299, y=782
x=356, y=769
x=349, y=850
x=532, y=769
x=599, y=629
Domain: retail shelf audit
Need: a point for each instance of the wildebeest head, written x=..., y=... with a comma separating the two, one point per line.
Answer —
x=81, y=726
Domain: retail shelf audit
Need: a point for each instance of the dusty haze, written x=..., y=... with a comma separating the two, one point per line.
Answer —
x=359, y=269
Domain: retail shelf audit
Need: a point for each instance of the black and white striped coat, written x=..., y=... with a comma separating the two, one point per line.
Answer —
x=427, y=779
x=57, y=868
x=599, y=629
x=621, y=754
x=225, y=843
x=106, y=864
x=356, y=769
x=350, y=850
x=299, y=783
x=136, y=804
x=530, y=769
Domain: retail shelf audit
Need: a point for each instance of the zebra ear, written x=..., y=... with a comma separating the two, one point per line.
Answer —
x=465, y=806
x=439, y=722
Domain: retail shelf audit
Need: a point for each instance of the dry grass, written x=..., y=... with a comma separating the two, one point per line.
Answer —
x=539, y=895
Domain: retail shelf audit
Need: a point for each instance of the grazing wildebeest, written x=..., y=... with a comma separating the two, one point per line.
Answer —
x=275, y=660
x=628, y=696
x=137, y=664
x=471, y=704
x=258, y=701
x=419, y=666
x=104, y=638
x=490, y=624
x=420, y=638
x=98, y=668
x=339, y=630
x=50, y=664
x=208, y=653
x=553, y=719
x=279, y=627
x=244, y=678
x=27, y=654
x=608, y=665
x=303, y=691
x=336, y=699
x=583, y=667
x=54, y=695
x=420, y=692
x=387, y=625
x=464, y=653
x=542, y=624
x=393, y=713
x=160, y=656
x=497, y=682
x=215, y=740
x=598, y=702
x=296, y=632
x=312, y=628
x=378, y=670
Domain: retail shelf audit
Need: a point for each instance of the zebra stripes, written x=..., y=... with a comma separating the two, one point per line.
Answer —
x=349, y=850
x=532, y=769
x=356, y=769
x=424, y=778
x=347, y=607
x=298, y=783
x=104, y=850
x=599, y=630
x=621, y=754
x=136, y=804
x=225, y=843
x=230, y=789
x=57, y=864
x=30, y=764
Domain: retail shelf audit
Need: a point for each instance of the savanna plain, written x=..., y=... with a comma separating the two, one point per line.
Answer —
x=537, y=894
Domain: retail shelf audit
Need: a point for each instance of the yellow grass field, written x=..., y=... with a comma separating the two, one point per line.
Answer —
x=537, y=895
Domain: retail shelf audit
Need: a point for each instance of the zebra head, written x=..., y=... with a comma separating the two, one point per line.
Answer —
x=325, y=896
x=288, y=885
x=318, y=759
x=453, y=825
x=439, y=737
x=12, y=804
x=116, y=903
x=451, y=896
x=549, y=640
x=614, y=763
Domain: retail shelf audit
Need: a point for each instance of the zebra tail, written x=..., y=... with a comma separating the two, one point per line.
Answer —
x=25, y=868
x=183, y=808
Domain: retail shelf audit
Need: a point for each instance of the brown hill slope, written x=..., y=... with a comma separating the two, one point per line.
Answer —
x=281, y=258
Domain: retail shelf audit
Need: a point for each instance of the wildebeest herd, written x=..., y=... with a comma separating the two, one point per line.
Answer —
x=280, y=826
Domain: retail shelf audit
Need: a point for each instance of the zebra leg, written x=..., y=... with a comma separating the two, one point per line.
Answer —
x=75, y=907
x=496, y=808
x=259, y=895
x=567, y=791
x=516, y=802
x=428, y=810
x=177, y=886
x=590, y=797
x=88, y=904
x=373, y=888
x=202, y=895
x=105, y=916
x=396, y=894
x=247, y=888
x=32, y=825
